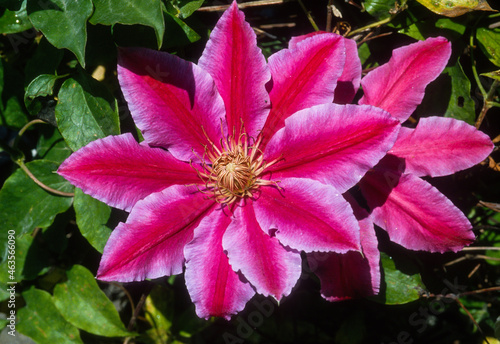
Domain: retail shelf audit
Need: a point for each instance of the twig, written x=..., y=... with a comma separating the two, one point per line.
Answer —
x=220, y=8
x=473, y=320
x=329, y=16
x=481, y=248
x=308, y=15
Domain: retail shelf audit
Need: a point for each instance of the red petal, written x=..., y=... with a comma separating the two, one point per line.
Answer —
x=173, y=102
x=398, y=86
x=440, y=146
x=239, y=70
x=303, y=77
x=307, y=215
x=267, y=265
x=119, y=171
x=216, y=290
x=333, y=144
x=414, y=213
x=150, y=244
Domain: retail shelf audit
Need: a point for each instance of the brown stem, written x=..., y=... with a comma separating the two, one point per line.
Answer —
x=329, y=16
x=487, y=103
x=473, y=320
x=241, y=6
x=42, y=185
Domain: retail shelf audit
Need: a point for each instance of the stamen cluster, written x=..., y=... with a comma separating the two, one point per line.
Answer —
x=233, y=172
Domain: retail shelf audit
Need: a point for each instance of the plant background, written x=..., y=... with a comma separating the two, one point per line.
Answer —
x=58, y=73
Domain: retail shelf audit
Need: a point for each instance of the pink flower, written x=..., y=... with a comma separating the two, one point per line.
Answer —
x=243, y=166
x=413, y=212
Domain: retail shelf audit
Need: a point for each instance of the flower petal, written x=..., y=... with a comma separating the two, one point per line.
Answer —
x=349, y=275
x=239, y=70
x=304, y=76
x=216, y=290
x=119, y=171
x=348, y=83
x=174, y=103
x=150, y=244
x=307, y=215
x=267, y=265
x=415, y=214
x=398, y=86
x=333, y=144
x=440, y=146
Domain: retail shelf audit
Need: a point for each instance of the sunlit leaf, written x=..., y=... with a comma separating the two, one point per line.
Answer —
x=129, y=12
x=461, y=105
x=400, y=287
x=91, y=218
x=158, y=310
x=83, y=304
x=86, y=111
x=15, y=21
x=489, y=42
x=41, y=321
x=493, y=75
x=183, y=8
x=25, y=205
x=71, y=18
x=380, y=9
x=41, y=86
x=455, y=8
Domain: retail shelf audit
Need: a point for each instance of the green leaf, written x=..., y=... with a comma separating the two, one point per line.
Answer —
x=461, y=105
x=15, y=21
x=159, y=310
x=380, y=9
x=41, y=321
x=91, y=218
x=83, y=304
x=70, y=16
x=489, y=42
x=45, y=60
x=495, y=75
x=455, y=8
x=86, y=111
x=130, y=12
x=41, y=86
x=179, y=32
x=12, y=113
x=183, y=8
x=51, y=145
x=400, y=287
x=25, y=205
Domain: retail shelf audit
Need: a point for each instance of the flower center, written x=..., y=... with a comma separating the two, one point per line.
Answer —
x=233, y=172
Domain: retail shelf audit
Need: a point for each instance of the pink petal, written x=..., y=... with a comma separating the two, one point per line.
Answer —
x=303, y=77
x=239, y=70
x=173, y=102
x=349, y=275
x=415, y=214
x=398, y=86
x=333, y=144
x=440, y=146
x=119, y=171
x=268, y=266
x=150, y=244
x=216, y=290
x=307, y=215
x=348, y=83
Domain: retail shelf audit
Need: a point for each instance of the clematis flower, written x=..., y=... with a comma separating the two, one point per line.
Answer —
x=413, y=212
x=243, y=165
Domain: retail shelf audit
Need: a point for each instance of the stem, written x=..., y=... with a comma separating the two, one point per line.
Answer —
x=329, y=16
x=311, y=20
x=218, y=8
x=473, y=64
x=23, y=129
x=376, y=24
x=39, y=183
x=487, y=103
x=138, y=308
x=481, y=248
